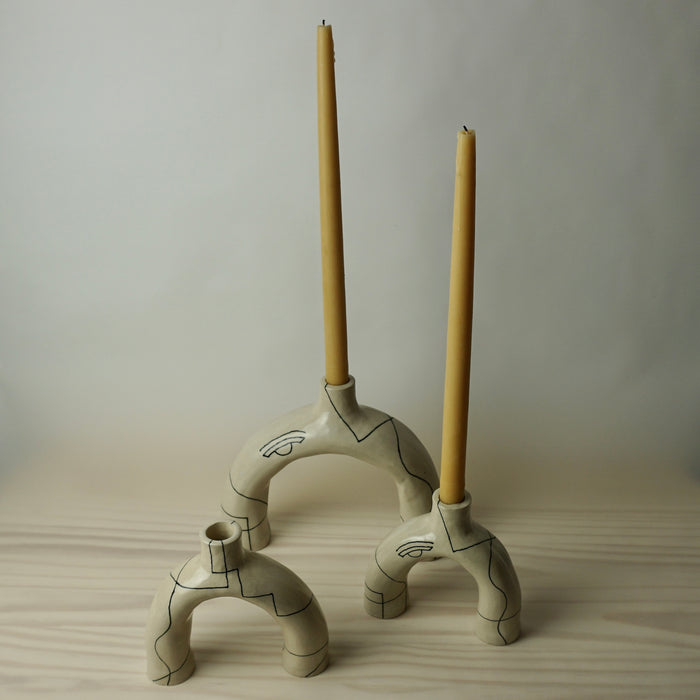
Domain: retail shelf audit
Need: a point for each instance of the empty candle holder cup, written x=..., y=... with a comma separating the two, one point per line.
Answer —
x=223, y=568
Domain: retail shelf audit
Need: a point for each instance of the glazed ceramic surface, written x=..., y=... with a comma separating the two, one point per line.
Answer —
x=224, y=568
x=448, y=531
x=335, y=424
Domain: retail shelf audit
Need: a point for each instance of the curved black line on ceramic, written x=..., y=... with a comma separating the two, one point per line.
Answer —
x=242, y=495
x=503, y=593
x=407, y=549
x=279, y=444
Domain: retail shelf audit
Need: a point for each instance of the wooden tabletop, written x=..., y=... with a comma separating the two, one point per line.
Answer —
x=611, y=590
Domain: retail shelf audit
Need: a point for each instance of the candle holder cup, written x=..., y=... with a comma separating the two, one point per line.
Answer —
x=335, y=424
x=223, y=568
x=448, y=531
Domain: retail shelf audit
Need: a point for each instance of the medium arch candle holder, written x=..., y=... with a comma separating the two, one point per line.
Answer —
x=448, y=530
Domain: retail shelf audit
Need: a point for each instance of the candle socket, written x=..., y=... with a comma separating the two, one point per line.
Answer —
x=224, y=569
x=335, y=424
x=447, y=531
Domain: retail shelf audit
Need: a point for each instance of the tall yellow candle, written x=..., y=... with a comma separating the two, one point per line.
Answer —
x=334, y=319
x=459, y=325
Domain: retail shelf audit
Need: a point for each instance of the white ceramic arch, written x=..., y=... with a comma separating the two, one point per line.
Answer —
x=224, y=569
x=335, y=424
x=448, y=531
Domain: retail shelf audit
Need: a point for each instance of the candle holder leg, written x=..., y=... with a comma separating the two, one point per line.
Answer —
x=448, y=531
x=335, y=424
x=224, y=568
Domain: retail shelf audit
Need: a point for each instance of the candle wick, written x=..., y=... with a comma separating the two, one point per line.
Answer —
x=324, y=22
x=465, y=128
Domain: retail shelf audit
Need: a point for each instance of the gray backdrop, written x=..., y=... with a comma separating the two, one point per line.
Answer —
x=159, y=228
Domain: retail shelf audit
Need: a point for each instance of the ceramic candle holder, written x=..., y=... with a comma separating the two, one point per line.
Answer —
x=224, y=568
x=335, y=424
x=448, y=531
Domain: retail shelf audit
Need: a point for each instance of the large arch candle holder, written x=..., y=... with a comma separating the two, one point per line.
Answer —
x=336, y=423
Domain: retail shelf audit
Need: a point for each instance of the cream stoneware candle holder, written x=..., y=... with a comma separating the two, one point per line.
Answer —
x=335, y=424
x=224, y=568
x=448, y=531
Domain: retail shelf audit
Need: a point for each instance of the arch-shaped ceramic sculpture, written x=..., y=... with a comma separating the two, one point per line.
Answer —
x=224, y=568
x=335, y=424
x=448, y=531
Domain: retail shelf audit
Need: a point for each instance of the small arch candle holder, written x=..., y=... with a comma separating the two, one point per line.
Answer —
x=223, y=568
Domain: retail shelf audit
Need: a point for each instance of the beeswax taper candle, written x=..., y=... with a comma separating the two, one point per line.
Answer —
x=459, y=324
x=334, y=318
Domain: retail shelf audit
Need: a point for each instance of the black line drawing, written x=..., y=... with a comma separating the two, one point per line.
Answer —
x=387, y=419
x=414, y=548
x=490, y=537
x=242, y=495
x=283, y=444
x=503, y=593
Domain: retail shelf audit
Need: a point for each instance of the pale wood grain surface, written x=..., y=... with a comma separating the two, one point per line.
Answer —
x=611, y=596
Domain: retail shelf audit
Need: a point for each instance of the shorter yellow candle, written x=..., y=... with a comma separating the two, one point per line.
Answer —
x=334, y=318
x=459, y=324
